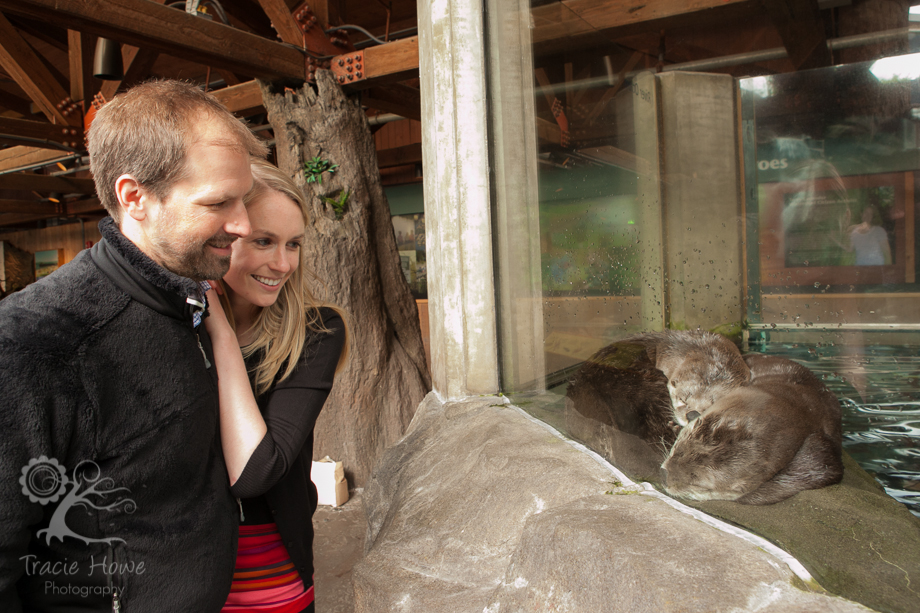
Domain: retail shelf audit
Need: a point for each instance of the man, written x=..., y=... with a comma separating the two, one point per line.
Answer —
x=113, y=490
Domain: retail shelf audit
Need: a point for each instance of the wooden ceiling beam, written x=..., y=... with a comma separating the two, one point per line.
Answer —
x=395, y=98
x=387, y=63
x=81, y=50
x=15, y=219
x=15, y=212
x=13, y=158
x=289, y=30
x=558, y=23
x=23, y=181
x=23, y=64
x=400, y=156
x=86, y=205
x=40, y=130
x=15, y=103
x=328, y=12
x=31, y=207
x=137, y=63
x=282, y=21
x=229, y=78
x=243, y=99
x=800, y=26
x=49, y=35
x=249, y=16
x=168, y=30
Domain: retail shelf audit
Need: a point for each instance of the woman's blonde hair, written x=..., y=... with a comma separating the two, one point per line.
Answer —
x=281, y=329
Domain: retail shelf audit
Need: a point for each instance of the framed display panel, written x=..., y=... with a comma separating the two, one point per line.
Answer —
x=807, y=231
x=46, y=262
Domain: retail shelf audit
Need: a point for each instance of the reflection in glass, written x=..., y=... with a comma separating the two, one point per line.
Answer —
x=769, y=197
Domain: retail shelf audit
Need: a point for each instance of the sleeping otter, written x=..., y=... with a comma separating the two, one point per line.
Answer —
x=762, y=443
x=701, y=367
x=617, y=404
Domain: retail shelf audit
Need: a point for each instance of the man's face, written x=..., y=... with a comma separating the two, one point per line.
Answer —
x=191, y=230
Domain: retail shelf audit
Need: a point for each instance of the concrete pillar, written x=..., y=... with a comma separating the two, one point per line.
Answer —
x=455, y=149
x=702, y=210
x=517, y=211
x=651, y=247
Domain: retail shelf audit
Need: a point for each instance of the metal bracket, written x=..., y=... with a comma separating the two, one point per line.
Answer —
x=304, y=17
x=349, y=68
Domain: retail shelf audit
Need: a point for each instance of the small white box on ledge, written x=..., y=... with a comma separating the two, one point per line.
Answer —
x=329, y=478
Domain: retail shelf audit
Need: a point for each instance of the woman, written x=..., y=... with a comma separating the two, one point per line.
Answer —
x=291, y=350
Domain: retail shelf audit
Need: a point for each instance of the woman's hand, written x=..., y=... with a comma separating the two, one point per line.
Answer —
x=216, y=323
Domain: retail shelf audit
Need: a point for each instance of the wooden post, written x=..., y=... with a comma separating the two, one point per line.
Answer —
x=355, y=256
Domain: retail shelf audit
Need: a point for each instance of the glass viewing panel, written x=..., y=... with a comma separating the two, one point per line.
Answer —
x=676, y=189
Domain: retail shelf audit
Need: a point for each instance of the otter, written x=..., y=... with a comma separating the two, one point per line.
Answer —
x=617, y=404
x=700, y=366
x=761, y=443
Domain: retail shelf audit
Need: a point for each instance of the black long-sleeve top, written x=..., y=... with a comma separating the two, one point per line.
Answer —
x=276, y=480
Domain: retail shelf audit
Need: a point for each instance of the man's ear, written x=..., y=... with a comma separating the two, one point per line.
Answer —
x=133, y=199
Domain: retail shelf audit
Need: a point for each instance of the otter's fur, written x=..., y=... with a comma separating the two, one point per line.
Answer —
x=700, y=366
x=619, y=386
x=762, y=443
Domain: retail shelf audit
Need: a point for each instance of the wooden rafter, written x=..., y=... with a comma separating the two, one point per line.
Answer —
x=15, y=212
x=395, y=61
x=802, y=30
x=14, y=158
x=42, y=32
x=80, y=52
x=395, y=98
x=328, y=12
x=82, y=207
x=243, y=99
x=27, y=69
x=30, y=207
x=229, y=78
x=399, y=156
x=46, y=183
x=15, y=103
x=282, y=20
x=15, y=219
x=288, y=28
x=150, y=25
x=631, y=63
x=250, y=17
x=562, y=20
x=39, y=130
x=137, y=63
x=390, y=62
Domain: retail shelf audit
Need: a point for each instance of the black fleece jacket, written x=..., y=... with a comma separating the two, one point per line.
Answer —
x=101, y=369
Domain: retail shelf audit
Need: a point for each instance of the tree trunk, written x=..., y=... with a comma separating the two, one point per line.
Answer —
x=354, y=255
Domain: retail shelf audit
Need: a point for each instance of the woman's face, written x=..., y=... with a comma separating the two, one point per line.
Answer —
x=264, y=261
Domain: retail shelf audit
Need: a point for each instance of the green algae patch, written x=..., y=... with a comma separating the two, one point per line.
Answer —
x=854, y=539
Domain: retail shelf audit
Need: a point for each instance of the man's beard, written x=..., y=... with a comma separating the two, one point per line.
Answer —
x=179, y=254
x=196, y=261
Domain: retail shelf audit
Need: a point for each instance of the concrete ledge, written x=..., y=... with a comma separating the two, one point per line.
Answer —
x=479, y=508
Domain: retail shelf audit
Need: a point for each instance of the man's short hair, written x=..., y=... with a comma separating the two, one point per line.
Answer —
x=146, y=132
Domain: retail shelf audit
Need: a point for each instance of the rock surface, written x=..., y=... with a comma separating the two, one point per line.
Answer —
x=478, y=508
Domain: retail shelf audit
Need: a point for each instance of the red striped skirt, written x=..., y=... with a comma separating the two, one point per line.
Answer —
x=265, y=580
